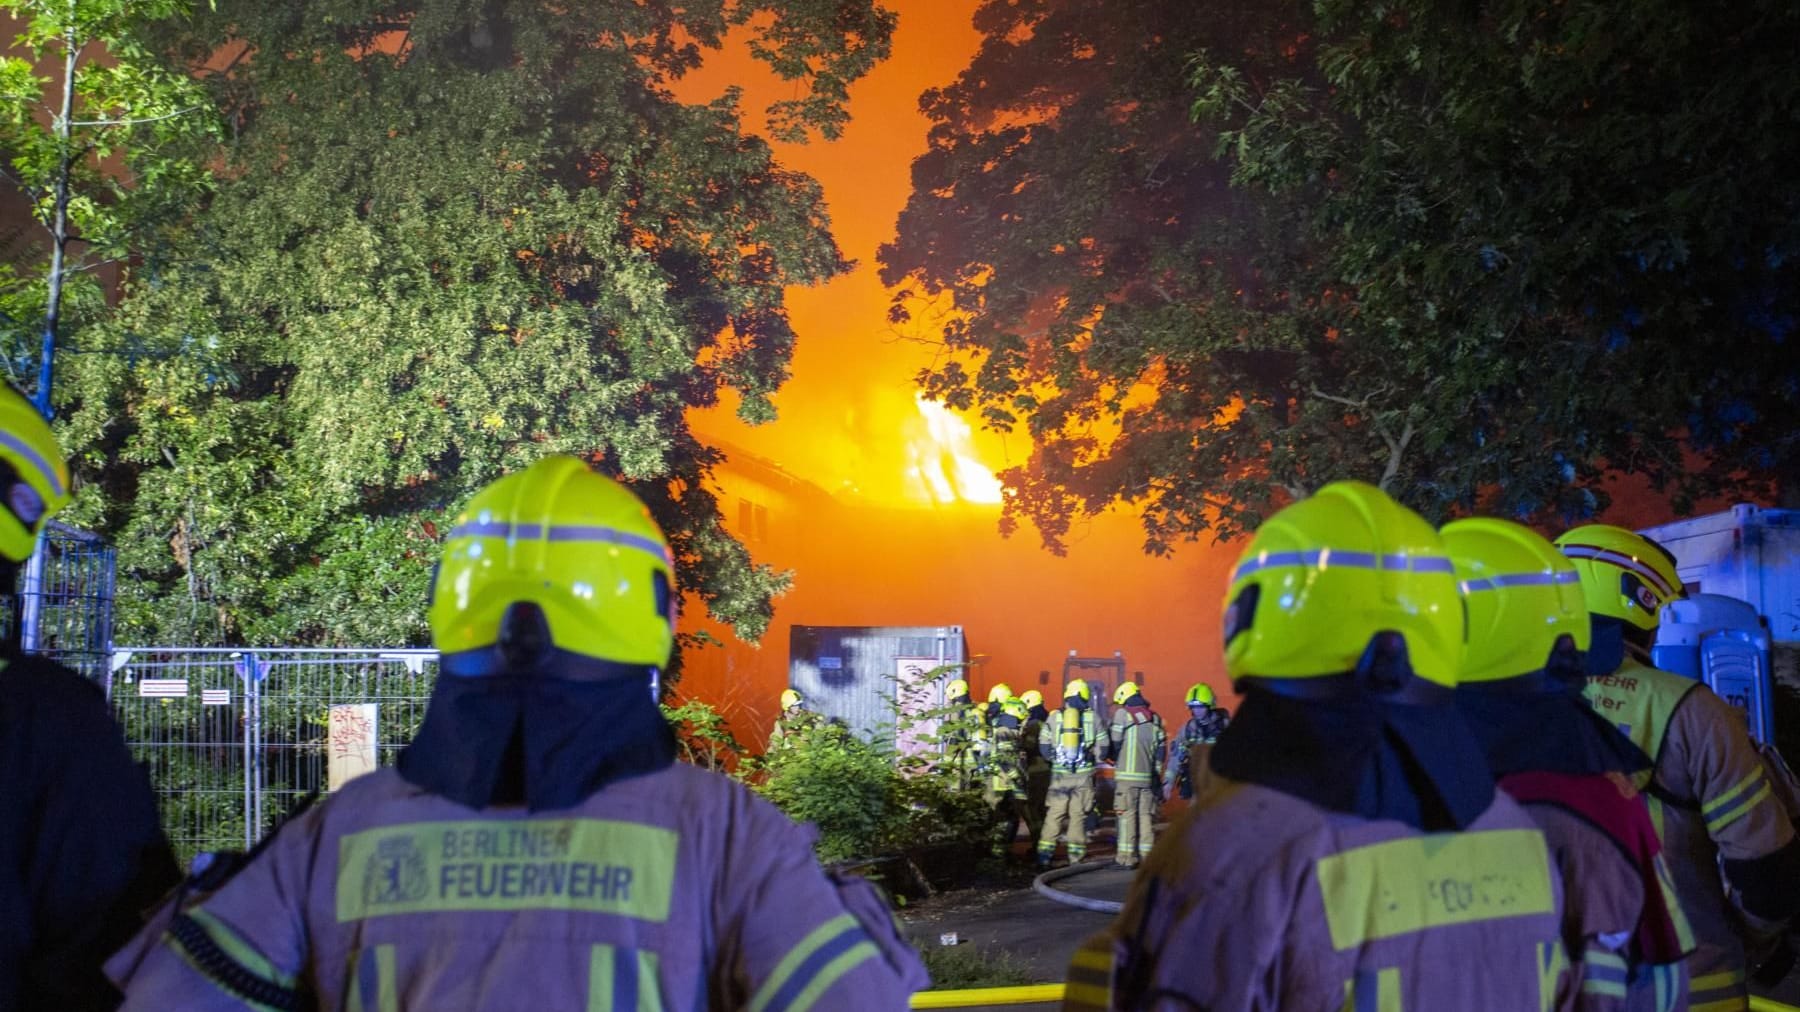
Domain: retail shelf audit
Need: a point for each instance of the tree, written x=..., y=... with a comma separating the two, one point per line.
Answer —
x=451, y=238
x=1585, y=211
x=1395, y=245
x=100, y=152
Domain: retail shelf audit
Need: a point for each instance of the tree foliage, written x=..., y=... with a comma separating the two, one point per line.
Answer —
x=1481, y=254
x=101, y=149
x=449, y=238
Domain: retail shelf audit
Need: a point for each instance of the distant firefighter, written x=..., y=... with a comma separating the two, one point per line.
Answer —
x=1138, y=741
x=81, y=852
x=1190, y=750
x=793, y=720
x=537, y=847
x=1072, y=743
x=1351, y=851
x=1037, y=768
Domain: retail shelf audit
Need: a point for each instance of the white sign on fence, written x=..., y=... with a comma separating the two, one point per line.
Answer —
x=215, y=697
x=350, y=748
x=162, y=688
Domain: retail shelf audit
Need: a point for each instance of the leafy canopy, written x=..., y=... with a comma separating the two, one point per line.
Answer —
x=1212, y=258
x=450, y=238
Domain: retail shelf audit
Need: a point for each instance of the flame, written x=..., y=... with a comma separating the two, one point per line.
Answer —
x=942, y=467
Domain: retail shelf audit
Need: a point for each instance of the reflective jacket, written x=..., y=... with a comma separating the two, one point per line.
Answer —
x=1260, y=900
x=1622, y=923
x=1198, y=731
x=1711, y=801
x=1138, y=740
x=1006, y=762
x=674, y=890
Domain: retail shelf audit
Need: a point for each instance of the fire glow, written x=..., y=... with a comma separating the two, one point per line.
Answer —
x=943, y=468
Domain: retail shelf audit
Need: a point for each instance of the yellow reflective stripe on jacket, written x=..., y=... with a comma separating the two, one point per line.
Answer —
x=242, y=952
x=810, y=968
x=1434, y=881
x=1603, y=973
x=1737, y=801
x=1718, y=992
x=623, y=980
x=1373, y=991
x=1090, y=977
x=387, y=987
x=591, y=865
x=1552, y=963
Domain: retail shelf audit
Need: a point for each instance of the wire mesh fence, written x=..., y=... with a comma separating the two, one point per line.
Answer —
x=235, y=738
x=73, y=605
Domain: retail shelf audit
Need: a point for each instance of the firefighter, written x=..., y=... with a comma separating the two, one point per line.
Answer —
x=537, y=846
x=1188, y=752
x=81, y=852
x=1006, y=776
x=1037, y=768
x=1350, y=851
x=1520, y=688
x=964, y=734
x=1709, y=793
x=794, y=720
x=1139, y=741
x=1071, y=742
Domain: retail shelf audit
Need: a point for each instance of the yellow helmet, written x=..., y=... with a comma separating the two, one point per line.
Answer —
x=1125, y=691
x=561, y=552
x=790, y=698
x=1000, y=693
x=1624, y=575
x=1015, y=708
x=1201, y=694
x=1325, y=575
x=1077, y=687
x=1522, y=597
x=39, y=484
x=1031, y=698
x=957, y=689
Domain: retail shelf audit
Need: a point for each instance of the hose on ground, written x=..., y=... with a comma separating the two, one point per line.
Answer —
x=1042, y=885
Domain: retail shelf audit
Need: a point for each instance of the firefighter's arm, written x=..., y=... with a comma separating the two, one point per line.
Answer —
x=241, y=947
x=798, y=938
x=1709, y=744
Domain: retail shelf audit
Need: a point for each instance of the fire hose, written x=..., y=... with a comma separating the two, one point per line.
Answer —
x=1042, y=885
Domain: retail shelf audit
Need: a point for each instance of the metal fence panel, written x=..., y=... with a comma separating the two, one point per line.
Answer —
x=235, y=738
x=72, y=609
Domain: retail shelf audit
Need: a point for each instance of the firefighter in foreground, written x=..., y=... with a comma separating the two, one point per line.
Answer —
x=1071, y=742
x=1709, y=795
x=537, y=846
x=1189, y=751
x=80, y=849
x=1351, y=851
x=1139, y=741
x=1520, y=688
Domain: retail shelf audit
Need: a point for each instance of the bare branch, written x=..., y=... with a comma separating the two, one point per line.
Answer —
x=1396, y=447
x=135, y=121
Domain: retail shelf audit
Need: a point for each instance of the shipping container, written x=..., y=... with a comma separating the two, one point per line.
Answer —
x=1747, y=552
x=860, y=674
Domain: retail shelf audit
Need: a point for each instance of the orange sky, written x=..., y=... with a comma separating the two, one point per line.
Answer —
x=849, y=423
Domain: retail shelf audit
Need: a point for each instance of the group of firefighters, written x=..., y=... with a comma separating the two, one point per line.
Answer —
x=1036, y=767
x=1451, y=783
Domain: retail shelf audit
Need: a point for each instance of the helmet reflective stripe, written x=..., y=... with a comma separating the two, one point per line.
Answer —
x=1325, y=558
x=589, y=535
x=35, y=459
x=1623, y=561
x=1519, y=580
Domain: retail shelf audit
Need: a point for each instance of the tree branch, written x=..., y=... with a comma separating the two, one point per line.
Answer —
x=135, y=121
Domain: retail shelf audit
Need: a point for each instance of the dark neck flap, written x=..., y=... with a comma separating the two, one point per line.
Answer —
x=545, y=743
x=1537, y=723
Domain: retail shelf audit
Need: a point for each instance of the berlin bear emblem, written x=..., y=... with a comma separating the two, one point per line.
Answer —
x=395, y=873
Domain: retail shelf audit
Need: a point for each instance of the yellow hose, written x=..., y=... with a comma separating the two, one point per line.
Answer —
x=1027, y=994
x=1036, y=994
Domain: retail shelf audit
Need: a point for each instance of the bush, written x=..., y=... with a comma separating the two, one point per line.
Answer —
x=953, y=967
x=845, y=786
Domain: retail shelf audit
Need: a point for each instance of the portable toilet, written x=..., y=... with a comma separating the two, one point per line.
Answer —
x=1724, y=643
